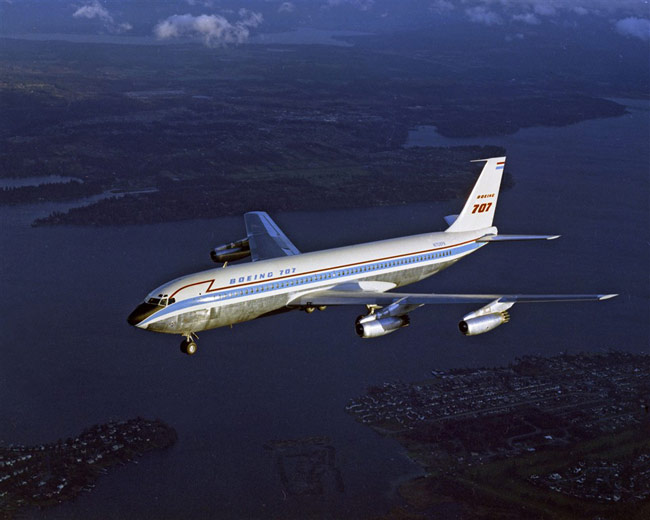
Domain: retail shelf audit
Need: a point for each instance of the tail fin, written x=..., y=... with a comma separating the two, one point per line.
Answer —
x=478, y=211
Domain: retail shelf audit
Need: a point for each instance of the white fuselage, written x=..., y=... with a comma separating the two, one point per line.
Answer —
x=237, y=293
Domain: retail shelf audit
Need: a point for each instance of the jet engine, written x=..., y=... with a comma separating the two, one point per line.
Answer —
x=231, y=252
x=486, y=318
x=370, y=326
x=474, y=326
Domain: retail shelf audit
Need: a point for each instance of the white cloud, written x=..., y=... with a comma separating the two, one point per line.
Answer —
x=286, y=7
x=96, y=10
x=549, y=8
x=362, y=5
x=544, y=9
x=480, y=14
x=634, y=27
x=528, y=18
x=213, y=29
x=441, y=7
x=630, y=13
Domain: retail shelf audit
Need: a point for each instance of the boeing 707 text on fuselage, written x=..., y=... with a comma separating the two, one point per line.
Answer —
x=282, y=278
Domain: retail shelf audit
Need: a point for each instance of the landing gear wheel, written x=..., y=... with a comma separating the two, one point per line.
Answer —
x=188, y=347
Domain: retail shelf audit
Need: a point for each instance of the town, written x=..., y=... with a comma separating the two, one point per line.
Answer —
x=48, y=474
x=570, y=425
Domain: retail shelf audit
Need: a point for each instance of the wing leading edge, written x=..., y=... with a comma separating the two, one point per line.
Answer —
x=265, y=238
x=338, y=297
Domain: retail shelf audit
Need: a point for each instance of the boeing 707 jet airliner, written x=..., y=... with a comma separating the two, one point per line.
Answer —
x=282, y=278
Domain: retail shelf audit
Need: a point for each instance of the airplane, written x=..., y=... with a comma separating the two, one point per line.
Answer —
x=281, y=278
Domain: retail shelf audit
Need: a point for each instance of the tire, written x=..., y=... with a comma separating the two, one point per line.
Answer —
x=191, y=348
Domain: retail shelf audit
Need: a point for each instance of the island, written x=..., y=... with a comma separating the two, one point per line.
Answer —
x=560, y=437
x=47, y=474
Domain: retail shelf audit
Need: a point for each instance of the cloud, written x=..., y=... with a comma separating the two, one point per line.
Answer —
x=362, y=5
x=634, y=28
x=551, y=8
x=480, y=14
x=286, y=7
x=544, y=9
x=632, y=14
x=441, y=7
x=213, y=29
x=528, y=18
x=96, y=10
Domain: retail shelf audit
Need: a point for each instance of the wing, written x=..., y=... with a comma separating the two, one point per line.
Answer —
x=352, y=297
x=265, y=238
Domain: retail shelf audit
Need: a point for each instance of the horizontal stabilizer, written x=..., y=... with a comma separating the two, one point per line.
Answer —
x=512, y=238
x=450, y=219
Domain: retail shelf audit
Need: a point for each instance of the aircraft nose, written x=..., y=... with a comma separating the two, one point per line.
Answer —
x=141, y=312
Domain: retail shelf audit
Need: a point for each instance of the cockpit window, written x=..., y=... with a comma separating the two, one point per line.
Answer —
x=161, y=302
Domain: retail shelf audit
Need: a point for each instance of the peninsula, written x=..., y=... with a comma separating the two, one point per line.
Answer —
x=46, y=475
x=561, y=437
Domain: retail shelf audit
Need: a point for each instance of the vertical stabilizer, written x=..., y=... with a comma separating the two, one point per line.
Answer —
x=478, y=212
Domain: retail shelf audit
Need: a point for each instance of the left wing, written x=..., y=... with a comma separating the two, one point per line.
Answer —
x=265, y=238
x=353, y=297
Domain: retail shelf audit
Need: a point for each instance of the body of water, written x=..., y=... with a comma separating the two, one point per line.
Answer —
x=69, y=359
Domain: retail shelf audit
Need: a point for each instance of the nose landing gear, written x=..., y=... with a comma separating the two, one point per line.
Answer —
x=188, y=345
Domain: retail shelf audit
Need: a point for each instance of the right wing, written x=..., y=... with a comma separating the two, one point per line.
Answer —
x=265, y=238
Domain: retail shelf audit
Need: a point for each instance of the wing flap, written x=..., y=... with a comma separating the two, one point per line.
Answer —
x=266, y=239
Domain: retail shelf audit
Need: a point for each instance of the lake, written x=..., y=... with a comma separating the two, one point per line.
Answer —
x=69, y=359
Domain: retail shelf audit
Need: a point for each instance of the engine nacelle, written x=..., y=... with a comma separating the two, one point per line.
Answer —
x=231, y=252
x=368, y=327
x=482, y=324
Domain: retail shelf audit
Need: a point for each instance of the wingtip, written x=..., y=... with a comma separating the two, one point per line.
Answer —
x=607, y=296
